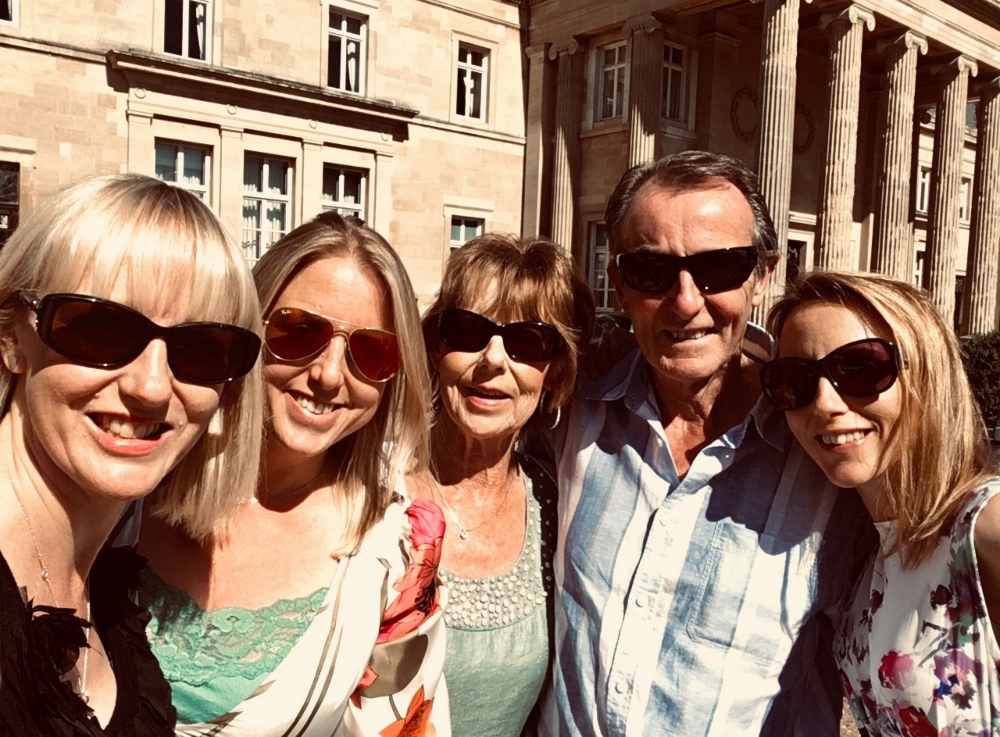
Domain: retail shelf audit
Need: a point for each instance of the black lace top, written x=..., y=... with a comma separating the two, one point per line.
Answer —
x=37, y=643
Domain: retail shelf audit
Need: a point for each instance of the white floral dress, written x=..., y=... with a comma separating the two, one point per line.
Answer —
x=916, y=650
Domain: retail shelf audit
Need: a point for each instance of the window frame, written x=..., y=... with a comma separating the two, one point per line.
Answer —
x=11, y=211
x=470, y=68
x=597, y=275
x=965, y=201
x=15, y=10
x=358, y=209
x=261, y=196
x=186, y=6
x=203, y=191
x=346, y=37
x=922, y=192
x=621, y=64
x=465, y=220
x=684, y=68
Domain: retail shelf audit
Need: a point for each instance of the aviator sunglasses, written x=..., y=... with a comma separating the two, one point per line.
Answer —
x=292, y=334
x=470, y=332
x=863, y=368
x=712, y=271
x=99, y=333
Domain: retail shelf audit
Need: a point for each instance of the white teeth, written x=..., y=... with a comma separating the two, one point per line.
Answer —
x=842, y=438
x=314, y=407
x=125, y=429
x=688, y=334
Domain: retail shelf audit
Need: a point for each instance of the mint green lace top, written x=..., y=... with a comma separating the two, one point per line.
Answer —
x=213, y=660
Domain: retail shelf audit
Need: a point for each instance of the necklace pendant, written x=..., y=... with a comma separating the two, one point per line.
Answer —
x=45, y=575
x=84, y=697
x=463, y=533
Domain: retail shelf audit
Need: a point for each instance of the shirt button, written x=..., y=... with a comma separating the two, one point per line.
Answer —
x=640, y=601
x=662, y=519
x=620, y=687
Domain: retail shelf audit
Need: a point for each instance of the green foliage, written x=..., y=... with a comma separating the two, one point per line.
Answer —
x=981, y=355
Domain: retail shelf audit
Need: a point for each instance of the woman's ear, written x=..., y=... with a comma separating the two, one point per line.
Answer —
x=11, y=353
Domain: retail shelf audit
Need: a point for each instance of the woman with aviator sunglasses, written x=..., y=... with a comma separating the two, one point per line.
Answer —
x=124, y=370
x=502, y=347
x=319, y=613
x=872, y=384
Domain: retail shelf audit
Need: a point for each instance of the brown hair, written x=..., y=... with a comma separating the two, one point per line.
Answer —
x=531, y=279
x=926, y=475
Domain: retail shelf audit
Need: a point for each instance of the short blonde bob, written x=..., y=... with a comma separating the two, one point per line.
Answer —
x=365, y=464
x=528, y=279
x=937, y=450
x=166, y=244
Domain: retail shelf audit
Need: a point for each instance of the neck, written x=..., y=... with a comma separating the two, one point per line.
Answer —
x=716, y=403
x=288, y=475
x=458, y=459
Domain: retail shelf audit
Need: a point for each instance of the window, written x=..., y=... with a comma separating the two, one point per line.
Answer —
x=674, y=77
x=464, y=229
x=185, y=166
x=965, y=200
x=8, y=11
x=344, y=191
x=924, y=189
x=266, y=203
x=600, y=255
x=345, y=65
x=611, y=82
x=186, y=28
x=10, y=192
x=473, y=67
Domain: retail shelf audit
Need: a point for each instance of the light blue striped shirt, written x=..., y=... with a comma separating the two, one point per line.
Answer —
x=695, y=607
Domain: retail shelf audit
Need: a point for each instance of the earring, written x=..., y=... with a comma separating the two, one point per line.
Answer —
x=12, y=361
x=555, y=423
x=215, y=424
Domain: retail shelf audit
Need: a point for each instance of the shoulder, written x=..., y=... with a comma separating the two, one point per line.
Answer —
x=981, y=514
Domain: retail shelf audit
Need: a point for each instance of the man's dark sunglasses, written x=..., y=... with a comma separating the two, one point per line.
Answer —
x=523, y=341
x=99, y=333
x=712, y=271
x=864, y=368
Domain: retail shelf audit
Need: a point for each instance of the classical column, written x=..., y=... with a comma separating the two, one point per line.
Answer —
x=891, y=252
x=946, y=184
x=644, y=88
x=535, y=142
x=778, y=48
x=833, y=246
x=565, y=151
x=984, y=236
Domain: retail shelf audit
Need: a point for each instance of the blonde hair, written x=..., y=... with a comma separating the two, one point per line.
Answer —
x=530, y=279
x=161, y=241
x=926, y=474
x=367, y=462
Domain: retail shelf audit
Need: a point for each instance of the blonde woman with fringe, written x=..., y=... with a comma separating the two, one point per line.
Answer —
x=317, y=613
x=872, y=384
x=128, y=327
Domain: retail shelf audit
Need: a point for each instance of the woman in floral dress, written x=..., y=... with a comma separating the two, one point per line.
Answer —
x=871, y=381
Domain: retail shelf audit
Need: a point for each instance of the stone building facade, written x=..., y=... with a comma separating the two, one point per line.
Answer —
x=873, y=126
x=409, y=114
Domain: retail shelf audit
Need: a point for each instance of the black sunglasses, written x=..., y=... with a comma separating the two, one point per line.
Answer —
x=293, y=334
x=712, y=271
x=863, y=368
x=102, y=334
x=524, y=341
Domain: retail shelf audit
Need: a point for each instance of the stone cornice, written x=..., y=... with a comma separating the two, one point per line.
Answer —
x=177, y=76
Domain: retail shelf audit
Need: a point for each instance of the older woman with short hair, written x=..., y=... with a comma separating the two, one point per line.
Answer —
x=502, y=341
x=128, y=327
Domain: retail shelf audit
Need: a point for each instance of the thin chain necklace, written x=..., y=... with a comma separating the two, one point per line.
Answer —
x=82, y=681
x=463, y=530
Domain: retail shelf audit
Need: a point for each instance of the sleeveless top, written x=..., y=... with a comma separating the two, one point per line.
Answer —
x=215, y=659
x=499, y=627
x=916, y=650
x=34, y=702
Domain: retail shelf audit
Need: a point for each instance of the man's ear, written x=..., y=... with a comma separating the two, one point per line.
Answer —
x=615, y=277
x=761, y=282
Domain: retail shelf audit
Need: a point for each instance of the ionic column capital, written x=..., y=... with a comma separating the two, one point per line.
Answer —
x=565, y=49
x=958, y=65
x=908, y=40
x=642, y=23
x=758, y=2
x=537, y=52
x=852, y=14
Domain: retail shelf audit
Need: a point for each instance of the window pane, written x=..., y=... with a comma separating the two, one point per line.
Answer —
x=277, y=177
x=196, y=30
x=619, y=89
x=275, y=221
x=173, y=27
x=456, y=230
x=166, y=162
x=608, y=106
x=353, y=25
x=333, y=70
x=194, y=166
x=674, y=95
x=677, y=56
x=353, y=55
x=331, y=184
x=460, y=102
x=253, y=173
x=6, y=9
x=476, y=82
x=352, y=187
x=610, y=56
x=336, y=21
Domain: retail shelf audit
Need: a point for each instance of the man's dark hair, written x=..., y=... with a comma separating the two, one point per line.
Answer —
x=685, y=171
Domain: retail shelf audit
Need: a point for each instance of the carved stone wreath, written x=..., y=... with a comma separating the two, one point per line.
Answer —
x=744, y=117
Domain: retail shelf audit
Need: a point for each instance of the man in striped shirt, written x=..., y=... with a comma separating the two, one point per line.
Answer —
x=701, y=552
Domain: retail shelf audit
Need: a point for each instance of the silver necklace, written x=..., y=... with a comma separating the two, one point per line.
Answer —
x=82, y=681
x=463, y=531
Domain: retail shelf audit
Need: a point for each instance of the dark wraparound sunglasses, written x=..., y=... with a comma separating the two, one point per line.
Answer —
x=102, y=334
x=712, y=271
x=530, y=342
x=863, y=368
x=292, y=334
